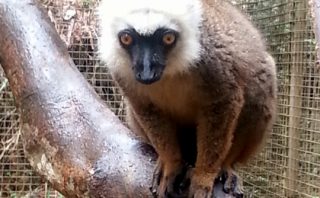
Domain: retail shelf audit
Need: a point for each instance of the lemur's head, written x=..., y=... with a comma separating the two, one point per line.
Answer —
x=147, y=39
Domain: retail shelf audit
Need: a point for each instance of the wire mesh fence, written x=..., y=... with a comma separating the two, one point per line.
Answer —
x=289, y=165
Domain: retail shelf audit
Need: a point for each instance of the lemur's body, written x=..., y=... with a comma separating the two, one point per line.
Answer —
x=198, y=82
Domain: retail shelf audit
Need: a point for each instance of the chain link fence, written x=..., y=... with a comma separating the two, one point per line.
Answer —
x=289, y=166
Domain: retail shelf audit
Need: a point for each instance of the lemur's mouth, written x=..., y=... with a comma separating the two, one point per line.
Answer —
x=149, y=75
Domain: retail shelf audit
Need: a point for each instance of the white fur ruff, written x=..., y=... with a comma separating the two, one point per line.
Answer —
x=146, y=16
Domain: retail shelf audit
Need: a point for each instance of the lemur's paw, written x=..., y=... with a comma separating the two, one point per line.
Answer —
x=201, y=185
x=232, y=183
x=169, y=180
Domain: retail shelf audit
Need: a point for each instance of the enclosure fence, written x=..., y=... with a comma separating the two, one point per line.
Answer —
x=289, y=165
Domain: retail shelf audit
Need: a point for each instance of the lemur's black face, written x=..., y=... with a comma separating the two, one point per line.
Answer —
x=148, y=52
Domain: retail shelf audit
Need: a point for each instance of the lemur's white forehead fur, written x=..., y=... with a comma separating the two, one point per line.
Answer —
x=146, y=16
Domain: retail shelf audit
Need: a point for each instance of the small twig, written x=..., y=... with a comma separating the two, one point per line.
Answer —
x=9, y=113
x=315, y=13
x=4, y=84
x=70, y=31
x=11, y=143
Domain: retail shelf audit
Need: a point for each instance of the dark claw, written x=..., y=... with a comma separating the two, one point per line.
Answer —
x=182, y=180
x=156, y=178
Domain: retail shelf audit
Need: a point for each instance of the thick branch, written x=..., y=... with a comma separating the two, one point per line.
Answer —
x=70, y=136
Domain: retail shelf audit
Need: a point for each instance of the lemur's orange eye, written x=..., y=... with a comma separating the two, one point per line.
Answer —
x=169, y=38
x=126, y=39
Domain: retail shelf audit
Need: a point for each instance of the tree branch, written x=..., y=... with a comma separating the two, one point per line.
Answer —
x=70, y=136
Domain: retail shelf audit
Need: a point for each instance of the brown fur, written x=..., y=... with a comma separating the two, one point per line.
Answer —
x=228, y=98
